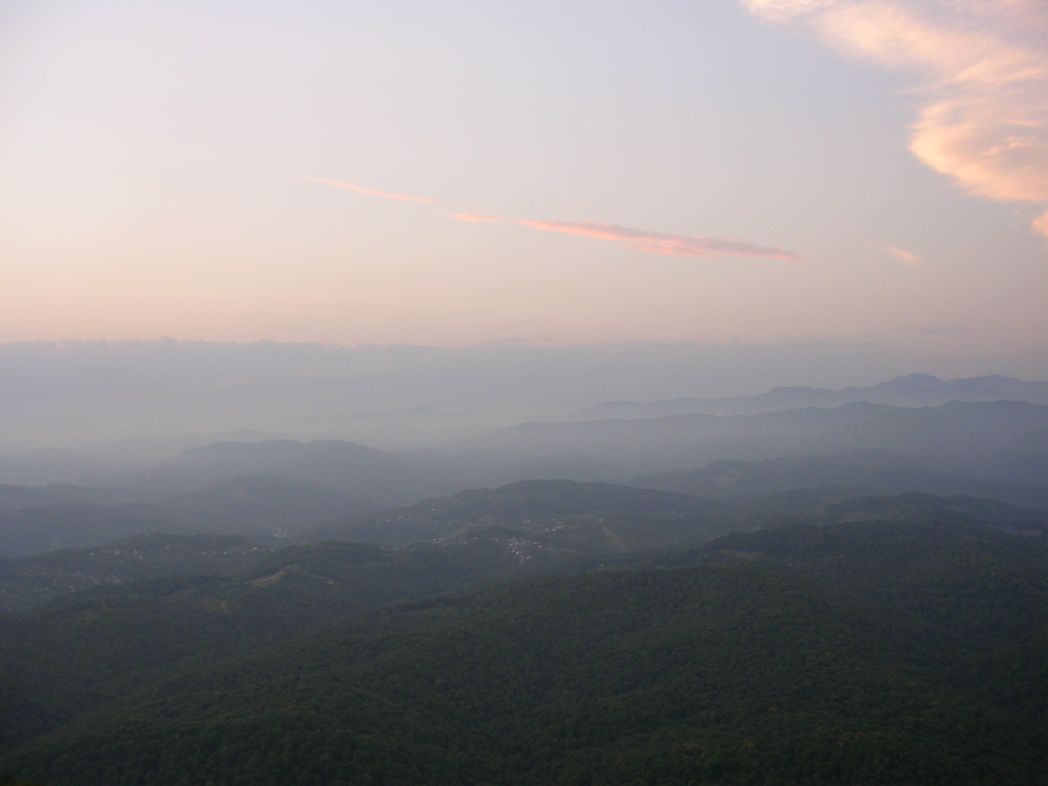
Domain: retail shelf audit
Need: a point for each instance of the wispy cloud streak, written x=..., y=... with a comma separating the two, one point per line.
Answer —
x=372, y=192
x=904, y=256
x=1040, y=224
x=638, y=240
x=980, y=73
x=641, y=240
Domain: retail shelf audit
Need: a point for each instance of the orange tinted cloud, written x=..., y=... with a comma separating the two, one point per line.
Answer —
x=641, y=240
x=907, y=257
x=1040, y=224
x=476, y=218
x=372, y=191
x=658, y=242
x=980, y=73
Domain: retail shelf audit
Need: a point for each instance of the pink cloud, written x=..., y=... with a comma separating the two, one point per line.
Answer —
x=657, y=242
x=476, y=218
x=904, y=256
x=979, y=70
x=373, y=192
x=641, y=240
x=1040, y=224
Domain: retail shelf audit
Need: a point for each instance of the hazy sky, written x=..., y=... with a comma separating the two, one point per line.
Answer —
x=467, y=172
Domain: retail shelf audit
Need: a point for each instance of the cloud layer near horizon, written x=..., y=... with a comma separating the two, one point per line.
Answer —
x=642, y=241
x=980, y=73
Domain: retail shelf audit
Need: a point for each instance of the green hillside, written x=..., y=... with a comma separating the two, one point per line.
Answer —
x=586, y=517
x=29, y=581
x=891, y=653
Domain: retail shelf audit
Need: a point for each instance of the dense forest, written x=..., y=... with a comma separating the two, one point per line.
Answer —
x=901, y=649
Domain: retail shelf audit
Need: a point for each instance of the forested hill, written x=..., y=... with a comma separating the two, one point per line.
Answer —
x=605, y=518
x=865, y=652
x=474, y=535
x=30, y=581
x=584, y=516
x=857, y=473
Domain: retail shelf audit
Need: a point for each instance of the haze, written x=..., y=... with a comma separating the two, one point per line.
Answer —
x=475, y=392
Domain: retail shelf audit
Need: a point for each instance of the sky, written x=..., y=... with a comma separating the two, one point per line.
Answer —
x=551, y=173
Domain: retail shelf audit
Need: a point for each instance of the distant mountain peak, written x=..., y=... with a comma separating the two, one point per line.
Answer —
x=909, y=390
x=918, y=378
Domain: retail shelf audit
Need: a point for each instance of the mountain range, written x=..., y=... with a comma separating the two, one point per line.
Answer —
x=912, y=390
x=1001, y=440
x=858, y=473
